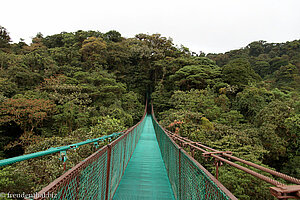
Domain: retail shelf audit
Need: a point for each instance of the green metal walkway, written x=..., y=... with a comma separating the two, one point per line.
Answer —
x=145, y=176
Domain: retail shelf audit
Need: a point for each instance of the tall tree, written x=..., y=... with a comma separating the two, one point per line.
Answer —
x=4, y=38
x=239, y=72
x=27, y=113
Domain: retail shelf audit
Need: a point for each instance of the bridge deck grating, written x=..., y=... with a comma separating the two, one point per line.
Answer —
x=145, y=176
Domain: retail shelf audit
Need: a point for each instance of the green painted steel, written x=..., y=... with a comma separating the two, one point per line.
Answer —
x=145, y=176
x=56, y=150
x=189, y=180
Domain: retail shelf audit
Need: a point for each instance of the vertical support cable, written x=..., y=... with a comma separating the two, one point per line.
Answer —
x=192, y=151
x=217, y=169
x=108, y=170
x=124, y=156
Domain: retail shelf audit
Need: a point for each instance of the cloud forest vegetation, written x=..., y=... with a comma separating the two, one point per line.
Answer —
x=72, y=86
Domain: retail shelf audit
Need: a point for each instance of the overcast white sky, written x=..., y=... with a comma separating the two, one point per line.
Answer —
x=201, y=25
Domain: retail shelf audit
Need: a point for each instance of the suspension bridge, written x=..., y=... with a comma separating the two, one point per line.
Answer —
x=149, y=162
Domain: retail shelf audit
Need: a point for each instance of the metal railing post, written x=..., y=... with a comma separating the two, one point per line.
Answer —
x=217, y=169
x=108, y=170
x=124, y=156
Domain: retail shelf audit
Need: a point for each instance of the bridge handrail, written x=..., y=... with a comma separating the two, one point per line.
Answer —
x=225, y=154
x=281, y=191
x=213, y=188
x=53, y=150
x=98, y=176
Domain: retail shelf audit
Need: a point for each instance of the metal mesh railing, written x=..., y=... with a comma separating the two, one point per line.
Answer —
x=85, y=179
x=189, y=179
x=98, y=176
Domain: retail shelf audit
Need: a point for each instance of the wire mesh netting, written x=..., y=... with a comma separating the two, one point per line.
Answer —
x=89, y=178
x=85, y=179
x=189, y=180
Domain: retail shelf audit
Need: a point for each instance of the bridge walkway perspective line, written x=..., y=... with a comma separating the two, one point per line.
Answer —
x=145, y=176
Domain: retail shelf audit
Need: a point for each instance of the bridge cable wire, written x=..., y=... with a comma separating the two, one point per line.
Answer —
x=280, y=191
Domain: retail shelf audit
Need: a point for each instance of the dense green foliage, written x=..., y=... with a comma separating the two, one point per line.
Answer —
x=245, y=101
x=69, y=87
